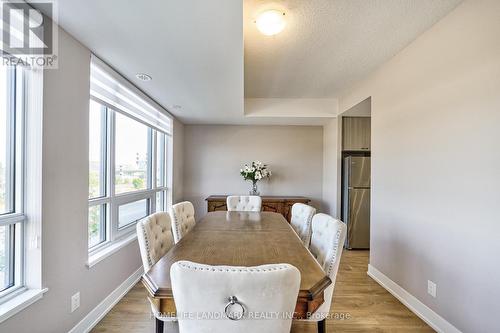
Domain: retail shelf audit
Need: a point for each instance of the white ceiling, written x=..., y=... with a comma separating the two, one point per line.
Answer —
x=193, y=49
x=329, y=44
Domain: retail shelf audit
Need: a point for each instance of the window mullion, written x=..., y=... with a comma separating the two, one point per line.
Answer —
x=10, y=148
x=99, y=201
x=20, y=140
x=105, y=222
x=104, y=151
x=12, y=219
x=153, y=168
x=112, y=210
x=10, y=256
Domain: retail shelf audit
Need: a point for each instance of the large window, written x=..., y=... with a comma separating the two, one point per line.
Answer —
x=127, y=174
x=11, y=177
x=129, y=159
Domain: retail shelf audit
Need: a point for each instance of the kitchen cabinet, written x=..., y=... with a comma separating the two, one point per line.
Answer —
x=356, y=133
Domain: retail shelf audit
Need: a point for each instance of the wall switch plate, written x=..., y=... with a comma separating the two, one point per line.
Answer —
x=75, y=301
x=431, y=288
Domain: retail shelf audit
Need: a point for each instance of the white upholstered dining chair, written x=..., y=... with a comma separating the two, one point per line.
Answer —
x=327, y=243
x=233, y=299
x=154, y=234
x=244, y=203
x=301, y=221
x=183, y=220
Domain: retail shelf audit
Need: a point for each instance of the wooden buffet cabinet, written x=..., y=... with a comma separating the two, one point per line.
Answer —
x=277, y=204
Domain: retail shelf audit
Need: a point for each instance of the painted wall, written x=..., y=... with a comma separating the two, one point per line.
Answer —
x=65, y=205
x=331, y=170
x=178, y=161
x=213, y=156
x=291, y=107
x=362, y=109
x=436, y=166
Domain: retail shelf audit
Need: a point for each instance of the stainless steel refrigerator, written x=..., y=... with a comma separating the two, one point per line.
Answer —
x=356, y=201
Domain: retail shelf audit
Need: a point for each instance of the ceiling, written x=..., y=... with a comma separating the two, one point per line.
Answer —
x=194, y=51
x=329, y=44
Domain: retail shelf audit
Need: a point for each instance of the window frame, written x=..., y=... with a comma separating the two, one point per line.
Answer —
x=112, y=201
x=14, y=219
x=104, y=175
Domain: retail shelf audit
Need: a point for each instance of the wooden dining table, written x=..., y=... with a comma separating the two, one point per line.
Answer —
x=240, y=239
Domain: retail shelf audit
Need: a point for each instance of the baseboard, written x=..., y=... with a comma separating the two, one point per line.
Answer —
x=411, y=302
x=94, y=316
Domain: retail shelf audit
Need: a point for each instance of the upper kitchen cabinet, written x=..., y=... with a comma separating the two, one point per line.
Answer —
x=356, y=133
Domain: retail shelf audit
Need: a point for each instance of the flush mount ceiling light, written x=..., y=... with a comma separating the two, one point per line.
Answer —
x=143, y=77
x=271, y=22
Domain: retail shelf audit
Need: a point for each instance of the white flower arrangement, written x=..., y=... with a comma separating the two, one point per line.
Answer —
x=255, y=171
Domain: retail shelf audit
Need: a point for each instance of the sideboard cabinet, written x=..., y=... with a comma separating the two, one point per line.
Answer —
x=277, y=204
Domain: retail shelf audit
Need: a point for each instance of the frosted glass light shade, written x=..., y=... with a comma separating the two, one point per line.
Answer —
x=271, y=22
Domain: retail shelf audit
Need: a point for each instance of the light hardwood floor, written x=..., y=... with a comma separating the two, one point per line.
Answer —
x=366, y=306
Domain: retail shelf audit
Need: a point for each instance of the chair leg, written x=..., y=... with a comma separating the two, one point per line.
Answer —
x=159, y=326
x=322, y=326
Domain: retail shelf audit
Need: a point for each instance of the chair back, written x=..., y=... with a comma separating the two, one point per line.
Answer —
x=206, y=296
x=301, y=221
x=154, y=234
x=183, y=220
x=244, y=203
x=327, y=243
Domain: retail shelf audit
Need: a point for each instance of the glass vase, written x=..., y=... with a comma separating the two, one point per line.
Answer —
x=255, y=189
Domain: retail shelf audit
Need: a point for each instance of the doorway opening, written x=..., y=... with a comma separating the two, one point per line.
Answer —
x=355, y=171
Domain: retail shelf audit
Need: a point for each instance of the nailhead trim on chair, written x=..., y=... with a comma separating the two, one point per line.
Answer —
x=180, y=219
x=303, y=230
x=186, y=264
x=148, y=248
x=334, y=257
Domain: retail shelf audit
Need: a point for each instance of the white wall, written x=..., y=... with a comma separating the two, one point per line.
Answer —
x=362, y=109
x=213, y=156
x=436, y=166
x=178, y=161
x=331, y=170
x=291, y=107
x=65, y=203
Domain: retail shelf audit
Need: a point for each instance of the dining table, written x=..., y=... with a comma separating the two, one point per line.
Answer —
x=240, y=239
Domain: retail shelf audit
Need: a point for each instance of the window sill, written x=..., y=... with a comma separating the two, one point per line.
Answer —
x=20, y=302
x=107, y=251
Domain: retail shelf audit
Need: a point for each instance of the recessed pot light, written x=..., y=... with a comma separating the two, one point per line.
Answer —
x=143, y=77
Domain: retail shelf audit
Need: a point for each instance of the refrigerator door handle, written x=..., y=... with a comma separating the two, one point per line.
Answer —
x=348, y=217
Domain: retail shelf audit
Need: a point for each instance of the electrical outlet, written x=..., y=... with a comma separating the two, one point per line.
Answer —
x=75, y=301
x=431, y=288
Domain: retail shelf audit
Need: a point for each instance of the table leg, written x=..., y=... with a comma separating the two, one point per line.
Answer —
x=322, y=326
x=159, y=326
